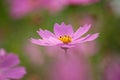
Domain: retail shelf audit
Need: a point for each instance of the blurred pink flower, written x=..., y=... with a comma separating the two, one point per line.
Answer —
x=111, y=67
x=64, y=36
x=19, y=8
x=87, y=19
x=9, y=68
x=54, y=5
x=33, y=53
x=82, y=2
x=70, y=67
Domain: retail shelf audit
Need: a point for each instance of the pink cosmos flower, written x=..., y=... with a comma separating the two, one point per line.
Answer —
x=64, y=36
x=9, y=68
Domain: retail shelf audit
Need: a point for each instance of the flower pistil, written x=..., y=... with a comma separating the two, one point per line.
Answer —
x=65, y=39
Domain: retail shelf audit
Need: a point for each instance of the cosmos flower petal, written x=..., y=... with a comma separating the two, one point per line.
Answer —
x=46, y=42
x=62, y=29
x=54, y=40
x=86, y=38
x=9, y=61
x=48, y=33
x=39, y=42
x=80, y=40
x=41, y=33
x=45, y=33
x=81, y=31
x=92, y=37
x=15, y=73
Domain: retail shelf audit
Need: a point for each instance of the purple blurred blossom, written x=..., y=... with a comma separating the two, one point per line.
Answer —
x=111, y=67
x=9, y=68
x=64, y=36
x=19, y=8
x=33, y=53
x=71, y=66
x=54, y=5
x=87, y=19
x=82, y=2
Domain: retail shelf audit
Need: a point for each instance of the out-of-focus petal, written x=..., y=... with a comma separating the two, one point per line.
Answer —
x=15, y=73
x=2, y=77
x=70, y=68
x=2, y=52
x=8, y=67
x=9, y=61
x=19, y=8
x=82, y=2
x=110, y=66
x=61, y=30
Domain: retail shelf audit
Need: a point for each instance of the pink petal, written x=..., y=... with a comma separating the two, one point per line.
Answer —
x=70, y=68
x=55, y=5
x=45, y=33
x=10, y=61
x=2, y=52
x=86, y=38
x=15, y=73
x=54, y=40
x=81, y=31
x=46, y=42
x=2, y=77
x=61, y=30
x=82, y=2
x=80, y=40
x=38, y=42
x=19, y=8
x=92, y=37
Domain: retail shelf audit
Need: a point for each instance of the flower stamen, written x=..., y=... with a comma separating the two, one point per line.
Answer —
x=65, y=39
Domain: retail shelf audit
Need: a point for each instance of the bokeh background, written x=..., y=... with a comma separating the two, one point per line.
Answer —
x=96, y=60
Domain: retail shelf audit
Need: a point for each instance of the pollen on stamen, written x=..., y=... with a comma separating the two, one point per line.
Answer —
x=65, y=39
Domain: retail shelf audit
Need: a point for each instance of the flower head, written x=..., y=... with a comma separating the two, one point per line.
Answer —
x=9, y=68
x=64, y=36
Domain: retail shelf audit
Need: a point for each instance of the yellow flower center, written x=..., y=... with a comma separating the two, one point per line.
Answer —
x=65, y=39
